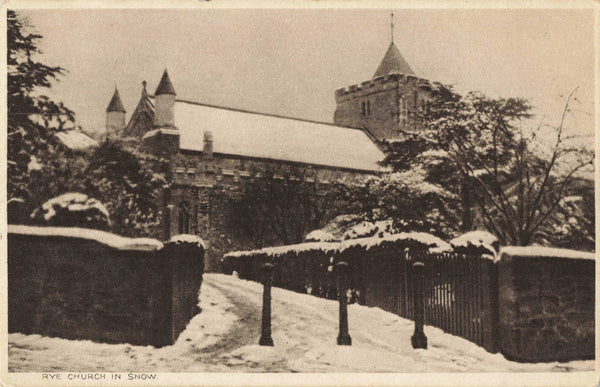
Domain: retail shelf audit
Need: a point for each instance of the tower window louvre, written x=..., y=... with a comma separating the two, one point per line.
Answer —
x=402, y=117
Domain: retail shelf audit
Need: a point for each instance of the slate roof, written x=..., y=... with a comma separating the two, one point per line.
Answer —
x=393, y=62
x=145, y=106
x=243, y=133
x=115, y=104
x=165, y=86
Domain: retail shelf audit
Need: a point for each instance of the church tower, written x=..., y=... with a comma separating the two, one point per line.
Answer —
x=387, y=105
x=115, y=116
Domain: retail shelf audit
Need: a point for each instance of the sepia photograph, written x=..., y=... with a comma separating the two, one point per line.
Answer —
x=209, y=192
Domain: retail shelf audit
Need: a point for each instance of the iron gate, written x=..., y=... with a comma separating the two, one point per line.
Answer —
x=458, y=291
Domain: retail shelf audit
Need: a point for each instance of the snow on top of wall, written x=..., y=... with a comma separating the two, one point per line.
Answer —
x=112, y=240
x=76, y=140
x=188, y=238
x=434, y=243
x=548, y=252
x=250, y=134
x=319, y=236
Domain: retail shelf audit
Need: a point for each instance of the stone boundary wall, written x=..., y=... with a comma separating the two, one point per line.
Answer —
x=92, y=285
x=546, y=304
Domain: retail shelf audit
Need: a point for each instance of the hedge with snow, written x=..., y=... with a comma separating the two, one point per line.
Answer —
x=72, y=209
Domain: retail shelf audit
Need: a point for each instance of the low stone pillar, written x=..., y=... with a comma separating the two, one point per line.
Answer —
x=418, y=339
x=267, y=278
x=341, y=271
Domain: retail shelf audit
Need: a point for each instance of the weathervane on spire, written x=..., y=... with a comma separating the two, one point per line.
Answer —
x=392, y=25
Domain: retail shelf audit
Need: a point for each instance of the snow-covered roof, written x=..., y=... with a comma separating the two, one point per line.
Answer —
x=76, y=140
x=546, y=252
x=112, y=240
x=251, y=134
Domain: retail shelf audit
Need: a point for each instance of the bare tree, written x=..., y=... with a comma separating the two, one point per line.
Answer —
x=516, y=181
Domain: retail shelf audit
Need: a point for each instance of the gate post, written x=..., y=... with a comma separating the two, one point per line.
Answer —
x=267, y=277
x=418, y=339
x=489, y=309
x=342, y=282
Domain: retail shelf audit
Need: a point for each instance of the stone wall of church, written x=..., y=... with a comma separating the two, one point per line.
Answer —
x=202, y=186
x=384, y=105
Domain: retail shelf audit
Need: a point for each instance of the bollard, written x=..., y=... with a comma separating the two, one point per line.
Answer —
x=418, y=339
x=267, y=277
x=341, y=269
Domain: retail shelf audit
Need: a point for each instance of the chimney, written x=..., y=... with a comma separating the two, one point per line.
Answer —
x=207, y=151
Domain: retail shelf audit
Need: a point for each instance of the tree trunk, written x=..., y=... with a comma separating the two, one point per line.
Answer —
x=467, y=218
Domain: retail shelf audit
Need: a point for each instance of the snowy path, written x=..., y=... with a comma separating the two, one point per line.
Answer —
x=224, y=337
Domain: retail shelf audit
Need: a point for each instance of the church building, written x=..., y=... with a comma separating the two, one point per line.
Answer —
x=210, y=148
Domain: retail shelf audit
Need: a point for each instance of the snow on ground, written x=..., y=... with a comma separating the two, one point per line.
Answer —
x=224, y=337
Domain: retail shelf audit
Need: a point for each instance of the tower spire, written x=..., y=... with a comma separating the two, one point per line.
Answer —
x=392, y=25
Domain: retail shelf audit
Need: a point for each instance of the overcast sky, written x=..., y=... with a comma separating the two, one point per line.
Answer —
x=290, y=62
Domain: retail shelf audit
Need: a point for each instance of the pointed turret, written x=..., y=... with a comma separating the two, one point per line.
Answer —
x=115, y=104
x=165, y=86
x=392, y=63
x=164, y=115
x=115, y=116
x=164, y=138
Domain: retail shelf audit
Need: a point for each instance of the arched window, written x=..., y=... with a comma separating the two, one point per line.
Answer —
x=363, y=108
x=184, y=219
x=368, y=108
